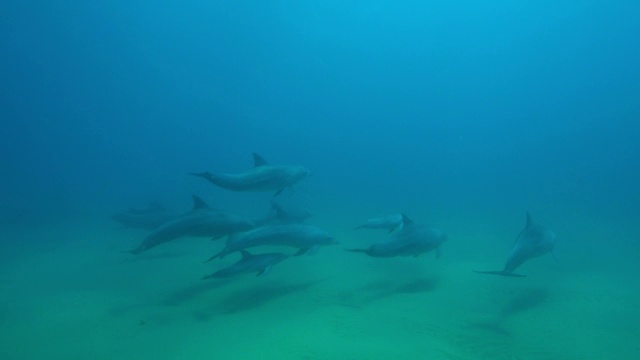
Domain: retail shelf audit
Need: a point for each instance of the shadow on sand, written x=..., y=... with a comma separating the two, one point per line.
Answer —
x=522, y=302
x=187, y=294
x=525, y=301
x=370, y=293
x=253, y=298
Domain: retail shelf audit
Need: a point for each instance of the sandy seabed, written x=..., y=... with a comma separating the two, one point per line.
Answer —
x=66, y=292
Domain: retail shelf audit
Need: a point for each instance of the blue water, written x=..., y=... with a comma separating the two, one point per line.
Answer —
x=463, y=114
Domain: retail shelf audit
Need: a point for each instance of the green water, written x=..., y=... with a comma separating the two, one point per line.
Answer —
x=68, y=293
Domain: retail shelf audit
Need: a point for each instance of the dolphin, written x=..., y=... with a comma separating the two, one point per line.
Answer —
x=533, y=241
x=262, y=177
x=278, y=214
x=305, y=237
x=390, y=222
x=149, y=218
x=249, y=263
x=201, y=221
x=412, y=240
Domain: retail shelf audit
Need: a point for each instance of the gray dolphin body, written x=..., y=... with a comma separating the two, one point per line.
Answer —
x=306, y=238
x=262, y=177
x=201, y=221
x=390, y=222
x=261, y=263
x=148, y=218
x=533, y=241
x=412, y=240
x=279, y=215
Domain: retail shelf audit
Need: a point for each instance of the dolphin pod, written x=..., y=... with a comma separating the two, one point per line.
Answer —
x=285, y=227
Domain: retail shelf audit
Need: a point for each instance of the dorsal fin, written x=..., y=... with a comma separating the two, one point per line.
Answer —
x=198, y=203
x=245, y=254
x=258, y=160
x=529, y=221
x=406, y=221
x=282, y=215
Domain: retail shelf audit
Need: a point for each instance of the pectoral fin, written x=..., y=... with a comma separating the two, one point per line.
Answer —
x=264, y=271
x=313, y=250
x=308, y=250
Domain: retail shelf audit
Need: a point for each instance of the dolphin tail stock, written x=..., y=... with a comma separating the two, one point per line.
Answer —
x=303, y=251
x=216, y=179
x=207, y=277
x=501, y=273
x=135, y=251
x=205, y=174
x=359, y=227
x=357, y=250
x=220, y=255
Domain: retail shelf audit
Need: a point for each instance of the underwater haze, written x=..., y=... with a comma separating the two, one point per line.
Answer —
x=465, y=116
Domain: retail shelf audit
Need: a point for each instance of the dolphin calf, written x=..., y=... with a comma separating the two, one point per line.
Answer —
x=201, y=221
x=262, y=177
x=412, y=240
x=278, y=214
x=306, y=238
x=390, y=222
x=148, y=218
x=249, y=263
x=533, y=241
